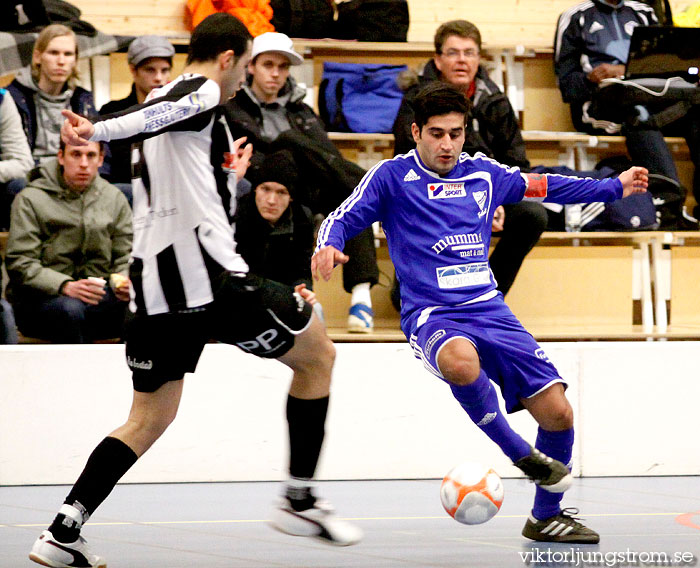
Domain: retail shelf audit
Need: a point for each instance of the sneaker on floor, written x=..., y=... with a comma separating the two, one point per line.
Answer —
x=550, y=474
x=47, y=551
x=563, y=527
x=360, y=319
x=318, y=522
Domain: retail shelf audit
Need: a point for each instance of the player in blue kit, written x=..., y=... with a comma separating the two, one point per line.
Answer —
x=436, y=206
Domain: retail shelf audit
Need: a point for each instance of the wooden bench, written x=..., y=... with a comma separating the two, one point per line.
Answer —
x=572, y=287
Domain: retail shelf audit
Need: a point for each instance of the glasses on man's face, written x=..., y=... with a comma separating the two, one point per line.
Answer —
x=457, y=53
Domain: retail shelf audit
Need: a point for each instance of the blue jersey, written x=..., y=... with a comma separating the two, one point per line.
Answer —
x=438, y=229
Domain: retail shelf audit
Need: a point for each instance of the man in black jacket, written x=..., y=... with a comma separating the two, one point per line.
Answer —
x=150, y=61
x=269, y=110
x=591, y=44
x=492, y=129
x=274, y=232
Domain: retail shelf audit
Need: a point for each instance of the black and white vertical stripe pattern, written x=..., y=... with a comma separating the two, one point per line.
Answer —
x=176, y=279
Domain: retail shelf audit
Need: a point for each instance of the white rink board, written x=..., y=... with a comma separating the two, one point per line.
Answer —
x=635, y=406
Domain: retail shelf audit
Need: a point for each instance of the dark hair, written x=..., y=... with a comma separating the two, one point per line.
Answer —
x=215, y=34
x=436, y=99
x=460, y=28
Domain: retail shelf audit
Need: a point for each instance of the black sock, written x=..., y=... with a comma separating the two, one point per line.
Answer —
x=307, y=419
x=109, y=461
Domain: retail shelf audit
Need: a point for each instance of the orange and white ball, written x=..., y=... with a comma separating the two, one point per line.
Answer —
x=471, y=493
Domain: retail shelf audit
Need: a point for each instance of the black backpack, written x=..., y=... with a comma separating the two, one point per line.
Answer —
x=22, y=15
x=372, y=20
x=302, y=18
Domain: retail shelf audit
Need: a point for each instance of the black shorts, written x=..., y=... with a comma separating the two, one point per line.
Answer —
x=260, y=316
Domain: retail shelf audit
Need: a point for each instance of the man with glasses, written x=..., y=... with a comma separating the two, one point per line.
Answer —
x=491, y=129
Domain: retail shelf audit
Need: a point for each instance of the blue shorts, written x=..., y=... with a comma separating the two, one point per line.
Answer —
x=508, y=354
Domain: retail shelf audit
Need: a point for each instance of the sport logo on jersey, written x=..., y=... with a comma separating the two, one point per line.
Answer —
x=480, y=198
x=446, y=190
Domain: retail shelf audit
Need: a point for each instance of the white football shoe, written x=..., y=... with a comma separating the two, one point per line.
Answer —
x=47, y=551
x=317, y=522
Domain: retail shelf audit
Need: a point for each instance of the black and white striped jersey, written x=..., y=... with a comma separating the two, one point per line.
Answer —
x=184, y=196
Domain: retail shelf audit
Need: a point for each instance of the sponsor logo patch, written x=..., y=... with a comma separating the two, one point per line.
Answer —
x=463, y=275
x=134, y=364
x=467, y=245
x=446, y=190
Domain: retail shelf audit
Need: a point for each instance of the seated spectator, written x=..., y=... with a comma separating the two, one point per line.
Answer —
x=275, y=233
x=269, y=110
x=491, y=129
x=150, y=59
x=15, y=156
x=8, y=330
x=591, y=44
x=43, y=90
x=69, y=228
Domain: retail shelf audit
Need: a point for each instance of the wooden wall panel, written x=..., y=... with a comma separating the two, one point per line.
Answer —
x=502, y=22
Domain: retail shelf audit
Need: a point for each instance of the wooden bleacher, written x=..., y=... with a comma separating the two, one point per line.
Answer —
x=523, y=66
x=572, y=287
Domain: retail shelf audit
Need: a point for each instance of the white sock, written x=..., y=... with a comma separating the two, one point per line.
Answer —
x=75, y=514
x=360, y=295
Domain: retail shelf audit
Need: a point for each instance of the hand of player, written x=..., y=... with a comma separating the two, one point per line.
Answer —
x=634, y=180
x=324, y=260
x=84, y=290
x=308, y=295
x=605, y=71
x=76, y=129
x=499, y=218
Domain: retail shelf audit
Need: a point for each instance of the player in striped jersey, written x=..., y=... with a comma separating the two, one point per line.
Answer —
x=190, y=286
x=436, y=207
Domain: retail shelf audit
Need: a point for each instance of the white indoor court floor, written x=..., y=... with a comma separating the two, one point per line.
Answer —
x=643, y=521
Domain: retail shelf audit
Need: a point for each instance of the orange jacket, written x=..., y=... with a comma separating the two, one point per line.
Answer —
x=255, y=14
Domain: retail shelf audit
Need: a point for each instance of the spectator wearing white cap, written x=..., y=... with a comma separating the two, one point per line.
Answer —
x=269, y=110
x=150, y=59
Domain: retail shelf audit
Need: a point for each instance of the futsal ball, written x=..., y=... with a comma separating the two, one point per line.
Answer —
x=471, y=493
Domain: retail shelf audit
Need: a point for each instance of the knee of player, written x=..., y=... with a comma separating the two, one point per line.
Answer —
x=319, y=359
x=460, y=370
x=560, y=417
x=154, y=423
x=325, y=354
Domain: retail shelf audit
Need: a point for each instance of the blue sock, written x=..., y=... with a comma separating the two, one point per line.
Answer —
x=480, y=401
x=557, y=445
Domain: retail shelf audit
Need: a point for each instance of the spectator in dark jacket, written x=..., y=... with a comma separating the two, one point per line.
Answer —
x=150, y=59
x=492, y=129
x=274, y=232
x=269, y=110
x=592, y=44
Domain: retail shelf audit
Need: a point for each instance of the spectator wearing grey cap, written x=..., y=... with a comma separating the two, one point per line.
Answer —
x=150, y=59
